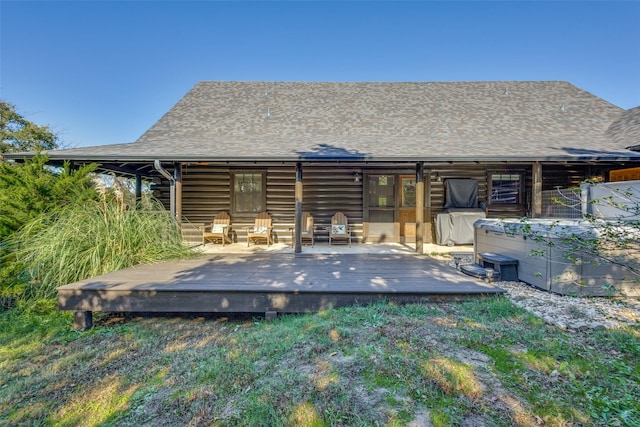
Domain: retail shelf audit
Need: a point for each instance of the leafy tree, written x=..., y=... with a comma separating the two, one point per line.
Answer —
x=32, y=188
x=18, y=134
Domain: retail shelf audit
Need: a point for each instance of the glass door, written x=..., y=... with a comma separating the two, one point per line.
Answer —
x=380, y=208
x=407, y=209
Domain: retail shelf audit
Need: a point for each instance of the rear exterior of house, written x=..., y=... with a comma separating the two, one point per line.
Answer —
x=379, y=200
x=382, y=153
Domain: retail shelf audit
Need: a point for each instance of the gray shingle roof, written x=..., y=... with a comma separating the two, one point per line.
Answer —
x=626, y=130
x=379, y=121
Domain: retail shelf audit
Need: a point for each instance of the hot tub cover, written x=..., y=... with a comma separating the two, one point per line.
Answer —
x=548, y=228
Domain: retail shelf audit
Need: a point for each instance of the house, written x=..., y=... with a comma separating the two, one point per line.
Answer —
x=381, y=152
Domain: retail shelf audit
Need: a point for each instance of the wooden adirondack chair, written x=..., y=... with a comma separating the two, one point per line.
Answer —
x=262, y=229
x=339, y=229
x=307, y=231
x=220, y=230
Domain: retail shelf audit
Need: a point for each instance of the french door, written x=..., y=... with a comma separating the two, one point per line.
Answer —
x=407, y=208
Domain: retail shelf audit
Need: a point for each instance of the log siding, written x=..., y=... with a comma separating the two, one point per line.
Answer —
x=331, y=187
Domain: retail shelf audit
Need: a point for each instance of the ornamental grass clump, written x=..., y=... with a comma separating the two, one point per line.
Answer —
x=82, y=241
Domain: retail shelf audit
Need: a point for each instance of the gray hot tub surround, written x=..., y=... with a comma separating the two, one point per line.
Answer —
x=545, y=266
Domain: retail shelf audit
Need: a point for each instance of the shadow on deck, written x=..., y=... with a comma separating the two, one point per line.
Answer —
x=267, y=283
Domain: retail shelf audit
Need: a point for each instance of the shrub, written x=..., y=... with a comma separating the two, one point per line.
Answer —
x=28, y=189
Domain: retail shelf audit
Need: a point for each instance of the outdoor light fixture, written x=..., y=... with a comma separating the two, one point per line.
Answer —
x=438, y=177
x=356, y=177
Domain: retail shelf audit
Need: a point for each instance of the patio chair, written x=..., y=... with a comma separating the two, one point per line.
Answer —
x=339, y=229
x=307, y=231
x=261, y=230
x=220, y=230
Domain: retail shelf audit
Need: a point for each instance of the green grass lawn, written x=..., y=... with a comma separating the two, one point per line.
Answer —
x=474, y=363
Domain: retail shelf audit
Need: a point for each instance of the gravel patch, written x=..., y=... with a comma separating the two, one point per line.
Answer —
x=567, y=312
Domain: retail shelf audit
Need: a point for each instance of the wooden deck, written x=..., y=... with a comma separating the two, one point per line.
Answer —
x=267, y=283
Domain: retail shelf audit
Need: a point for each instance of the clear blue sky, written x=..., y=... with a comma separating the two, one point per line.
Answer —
x=103, y=72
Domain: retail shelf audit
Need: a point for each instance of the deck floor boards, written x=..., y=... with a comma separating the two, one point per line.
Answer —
x=266, y=282
x=283, y=272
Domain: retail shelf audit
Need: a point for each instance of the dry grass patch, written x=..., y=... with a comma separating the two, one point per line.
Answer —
x=489, y=363
x=97, y=404
x=453, y=377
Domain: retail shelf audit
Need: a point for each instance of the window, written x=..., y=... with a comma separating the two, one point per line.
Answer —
x=248, y=192
x=506, y=188
x=408, y=192
x=381, y=191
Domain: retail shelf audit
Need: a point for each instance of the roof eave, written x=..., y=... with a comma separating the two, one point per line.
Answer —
x=616, y=156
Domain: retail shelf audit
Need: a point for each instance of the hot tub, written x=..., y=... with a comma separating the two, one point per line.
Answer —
x=545, y=266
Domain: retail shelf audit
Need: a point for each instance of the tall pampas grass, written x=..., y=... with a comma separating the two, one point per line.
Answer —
x=82, y=241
